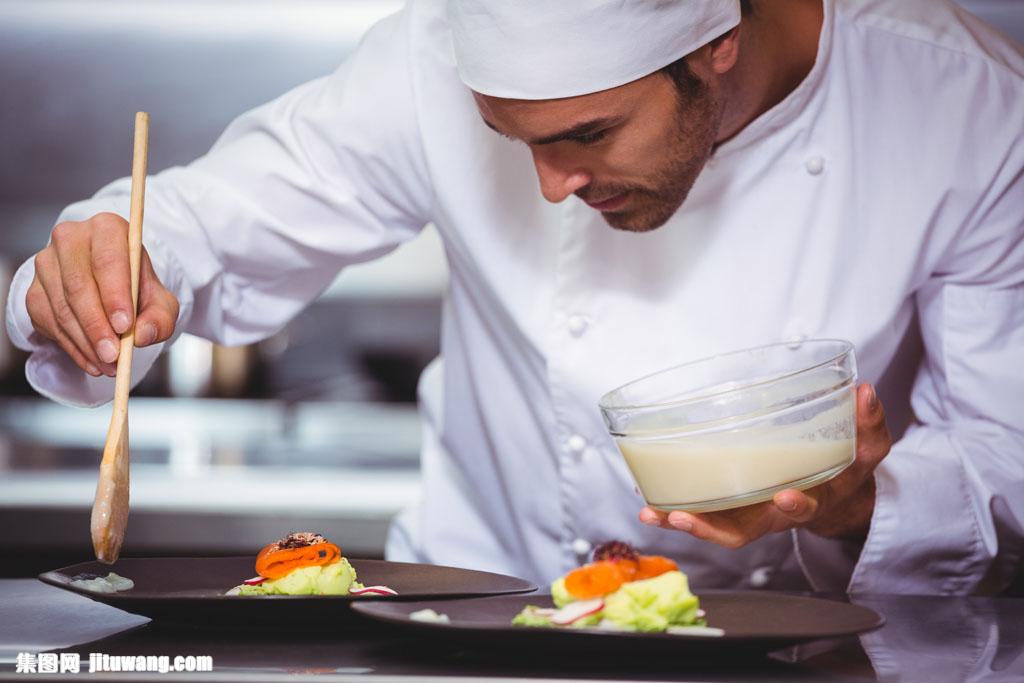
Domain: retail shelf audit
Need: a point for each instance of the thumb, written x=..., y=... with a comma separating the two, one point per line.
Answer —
x=873, y=438
x=158, y=307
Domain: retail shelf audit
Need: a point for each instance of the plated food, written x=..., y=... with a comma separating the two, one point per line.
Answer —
x=744, y=622
x=305, y=563
x=625, y=591
x=191, y=591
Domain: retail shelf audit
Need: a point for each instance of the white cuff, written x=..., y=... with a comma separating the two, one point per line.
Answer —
x=19, y=325
x=827, y=563
x=49, y=370
x=924, y=536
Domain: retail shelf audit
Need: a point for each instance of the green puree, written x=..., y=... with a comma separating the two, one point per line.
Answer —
x=653, y=604
x=645, y=605
x=332, y=579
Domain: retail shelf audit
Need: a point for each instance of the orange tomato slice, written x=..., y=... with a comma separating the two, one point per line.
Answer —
x=593, y=580
x=273, y=562
x=628, y=569
x=654, y=565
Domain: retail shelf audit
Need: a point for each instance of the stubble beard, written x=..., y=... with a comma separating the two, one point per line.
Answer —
x=692, y=142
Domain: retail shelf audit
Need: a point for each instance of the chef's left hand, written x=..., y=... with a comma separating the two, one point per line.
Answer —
x=839, y=508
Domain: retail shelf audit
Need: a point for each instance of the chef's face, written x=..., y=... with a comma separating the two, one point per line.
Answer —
x=631, y=152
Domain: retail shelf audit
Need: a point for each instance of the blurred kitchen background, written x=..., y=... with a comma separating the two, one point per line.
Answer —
x=314, y=428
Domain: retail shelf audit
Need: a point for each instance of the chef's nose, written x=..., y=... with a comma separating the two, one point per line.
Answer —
x=558, y=177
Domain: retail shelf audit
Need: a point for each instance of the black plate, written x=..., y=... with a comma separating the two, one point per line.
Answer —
x=751, y=621
x=190, y=590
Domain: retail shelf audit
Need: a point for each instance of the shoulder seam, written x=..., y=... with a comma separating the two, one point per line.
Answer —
x=945, y=48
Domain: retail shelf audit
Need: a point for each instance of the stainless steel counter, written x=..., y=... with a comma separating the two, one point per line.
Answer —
x=926, y=638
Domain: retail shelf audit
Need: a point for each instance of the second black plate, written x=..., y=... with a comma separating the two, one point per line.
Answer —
x=751, y=621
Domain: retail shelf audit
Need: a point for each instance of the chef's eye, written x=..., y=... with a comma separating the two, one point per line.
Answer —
x=590, y=138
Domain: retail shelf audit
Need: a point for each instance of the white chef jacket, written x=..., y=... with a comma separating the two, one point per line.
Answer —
x=882, y=202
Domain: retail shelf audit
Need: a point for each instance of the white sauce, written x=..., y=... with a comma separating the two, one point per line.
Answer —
x=429, y=615
x=695, y=631
x=111, y=583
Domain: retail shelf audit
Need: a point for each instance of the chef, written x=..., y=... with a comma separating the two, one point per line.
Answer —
x=620, y=187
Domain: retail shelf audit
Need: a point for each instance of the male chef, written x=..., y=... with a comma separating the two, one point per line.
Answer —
x=711, y=177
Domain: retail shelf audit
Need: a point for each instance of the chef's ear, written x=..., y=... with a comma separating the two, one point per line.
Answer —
x=725, y=50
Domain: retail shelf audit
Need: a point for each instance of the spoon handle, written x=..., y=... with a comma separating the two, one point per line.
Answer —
x=122, y=383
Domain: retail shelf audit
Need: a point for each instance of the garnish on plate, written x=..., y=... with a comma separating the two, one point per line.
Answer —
x=111, y=583
x=305, y=563
x=430, y=616
x=622, y=590
x=304, y=549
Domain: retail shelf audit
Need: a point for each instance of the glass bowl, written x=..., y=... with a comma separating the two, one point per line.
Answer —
x=735, y=429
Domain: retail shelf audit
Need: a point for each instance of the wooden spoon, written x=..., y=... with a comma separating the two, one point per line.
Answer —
x=110, y=509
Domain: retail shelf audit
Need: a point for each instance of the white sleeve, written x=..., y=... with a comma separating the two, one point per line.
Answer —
x=949, y=514
x=949, y=511
x=330, y=174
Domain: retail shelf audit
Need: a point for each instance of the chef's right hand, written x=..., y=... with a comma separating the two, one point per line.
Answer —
x=81, y=296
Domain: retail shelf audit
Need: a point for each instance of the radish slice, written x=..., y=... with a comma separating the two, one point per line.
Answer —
x=372, y=590
x=255, y=581
x=575, y=611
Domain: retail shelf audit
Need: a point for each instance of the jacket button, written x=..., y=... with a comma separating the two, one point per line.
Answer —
x=796, y=340
x=815, y=165
x=581, y=547
x=576, y=444
x=577, y=325
x=760, y=577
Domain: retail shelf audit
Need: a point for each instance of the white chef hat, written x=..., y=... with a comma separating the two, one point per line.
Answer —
x=544, y=49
